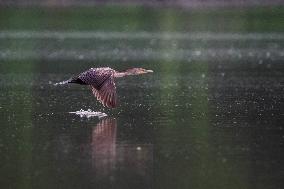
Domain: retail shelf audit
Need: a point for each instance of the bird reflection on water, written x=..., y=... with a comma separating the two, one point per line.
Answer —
x=112, y=158
x=104, y=146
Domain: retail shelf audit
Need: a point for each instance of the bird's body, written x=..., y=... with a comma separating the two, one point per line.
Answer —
x=102, y=82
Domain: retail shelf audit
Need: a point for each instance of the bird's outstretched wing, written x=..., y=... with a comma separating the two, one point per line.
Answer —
x=102, y=83
x=96, y=76
x=106, y=94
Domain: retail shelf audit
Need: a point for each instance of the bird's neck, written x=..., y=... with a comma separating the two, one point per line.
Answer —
x=121, y=74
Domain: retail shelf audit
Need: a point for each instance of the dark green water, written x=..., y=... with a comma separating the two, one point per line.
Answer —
x=210, y=116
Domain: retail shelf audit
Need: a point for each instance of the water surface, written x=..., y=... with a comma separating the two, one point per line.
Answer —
x=210, y=116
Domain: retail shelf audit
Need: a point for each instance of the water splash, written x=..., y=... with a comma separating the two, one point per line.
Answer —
x=89, y=113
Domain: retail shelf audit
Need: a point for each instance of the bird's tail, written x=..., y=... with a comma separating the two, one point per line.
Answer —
x=71, y=80
x=63, y=82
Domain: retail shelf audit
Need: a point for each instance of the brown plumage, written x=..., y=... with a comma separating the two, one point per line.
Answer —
x=102, y=82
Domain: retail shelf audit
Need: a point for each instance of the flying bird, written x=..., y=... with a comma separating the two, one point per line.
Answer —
x=102, y=82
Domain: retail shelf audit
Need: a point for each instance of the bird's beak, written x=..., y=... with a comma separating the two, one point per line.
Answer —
x=149, y=71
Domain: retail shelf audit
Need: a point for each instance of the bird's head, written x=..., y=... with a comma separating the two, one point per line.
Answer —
x=137, y=71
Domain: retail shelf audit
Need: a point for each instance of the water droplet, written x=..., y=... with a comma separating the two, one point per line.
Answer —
x=197, y=53
x=81, y=57
x=224, y=160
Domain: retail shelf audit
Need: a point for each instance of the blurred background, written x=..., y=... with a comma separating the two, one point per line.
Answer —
x=210, y=116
